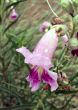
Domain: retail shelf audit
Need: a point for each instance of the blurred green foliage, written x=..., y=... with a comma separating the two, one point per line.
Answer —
x=14, y=91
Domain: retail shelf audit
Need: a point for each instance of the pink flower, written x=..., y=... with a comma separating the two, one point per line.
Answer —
x=40, y=58
x=13, y=15
x=44, y=26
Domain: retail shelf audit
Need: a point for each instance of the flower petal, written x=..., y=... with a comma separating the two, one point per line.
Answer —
x=33, y=79
x=50, y=79
x=53, y=75
x=48, y=44
x=35, y=58
x=39, y=60
x=54, y=85
x=35, y=87
x=24, y=51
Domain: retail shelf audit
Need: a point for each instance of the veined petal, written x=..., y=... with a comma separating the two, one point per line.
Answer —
x=54, y=85
x=35, y=87
x=51, y=79
x=53, y=75
x=34, y=80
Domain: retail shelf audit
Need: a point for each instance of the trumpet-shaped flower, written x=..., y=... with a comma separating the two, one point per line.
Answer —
x=13, y=15
x=40, y=59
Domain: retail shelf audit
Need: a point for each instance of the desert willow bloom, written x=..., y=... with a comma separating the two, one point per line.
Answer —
x=13, y=15
x=40, y=59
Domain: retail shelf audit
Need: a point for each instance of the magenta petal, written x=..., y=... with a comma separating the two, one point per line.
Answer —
x=13, y=17
x=54, y=85
x=53, y=75
x=33, y=79
x=50, y=79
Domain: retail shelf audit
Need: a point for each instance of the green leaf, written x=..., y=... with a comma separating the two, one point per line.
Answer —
x=75, y=20
x=14, y=4
x=6, y=90
x=66, y=4
x=7, y=28
x=75, y=75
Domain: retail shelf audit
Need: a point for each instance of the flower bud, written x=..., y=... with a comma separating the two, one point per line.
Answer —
x=44, y=26
x=13, y=15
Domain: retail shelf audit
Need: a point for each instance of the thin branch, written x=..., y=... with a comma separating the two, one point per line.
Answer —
x=51, y=9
